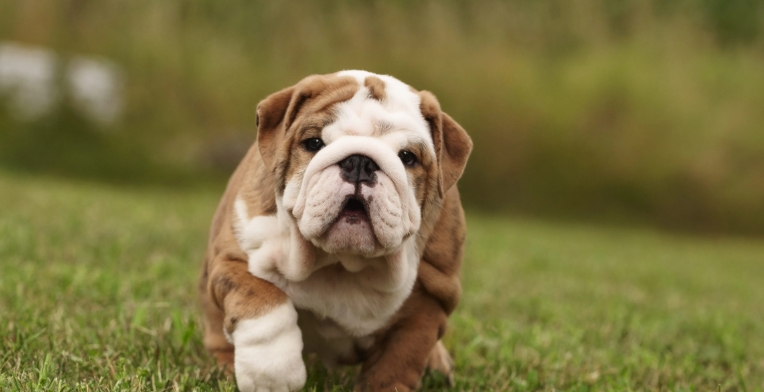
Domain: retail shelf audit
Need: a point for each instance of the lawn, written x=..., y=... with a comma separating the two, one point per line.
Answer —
x=97, y=292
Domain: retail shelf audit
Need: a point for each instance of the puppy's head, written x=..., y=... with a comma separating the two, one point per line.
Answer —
x=357, y=157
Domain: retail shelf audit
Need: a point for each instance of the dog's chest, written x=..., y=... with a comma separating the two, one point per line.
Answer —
x=339, y=311
x=360, y=303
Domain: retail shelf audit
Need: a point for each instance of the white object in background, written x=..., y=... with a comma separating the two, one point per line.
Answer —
x=96, y=88
x=28, y=77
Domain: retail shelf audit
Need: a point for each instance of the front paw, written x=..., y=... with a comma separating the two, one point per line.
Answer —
x=268, y=352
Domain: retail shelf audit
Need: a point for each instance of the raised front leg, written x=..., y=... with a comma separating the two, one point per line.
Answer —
x=399, y=358
x=253, y=324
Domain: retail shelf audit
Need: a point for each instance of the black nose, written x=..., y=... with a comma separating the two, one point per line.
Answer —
x=358, y=168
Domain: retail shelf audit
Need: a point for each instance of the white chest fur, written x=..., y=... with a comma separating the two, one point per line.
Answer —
x=341, y=299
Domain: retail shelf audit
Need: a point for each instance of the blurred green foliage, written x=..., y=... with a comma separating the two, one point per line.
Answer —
x=644, y=110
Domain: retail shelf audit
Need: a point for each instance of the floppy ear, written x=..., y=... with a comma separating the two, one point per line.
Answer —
x=452, y=144
x=271, y=126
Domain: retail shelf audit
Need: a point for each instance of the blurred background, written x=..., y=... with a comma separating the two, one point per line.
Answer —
x=644, y=112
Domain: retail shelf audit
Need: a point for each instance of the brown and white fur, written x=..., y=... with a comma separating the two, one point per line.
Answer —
x=290, y=267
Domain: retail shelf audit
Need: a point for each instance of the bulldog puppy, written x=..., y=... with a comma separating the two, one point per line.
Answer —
x=340, y=233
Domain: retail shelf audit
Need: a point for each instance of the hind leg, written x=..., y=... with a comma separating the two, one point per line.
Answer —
x=440, y=361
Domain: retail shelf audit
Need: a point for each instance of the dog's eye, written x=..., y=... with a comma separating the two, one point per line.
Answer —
x=407, y=157
x=313, y=144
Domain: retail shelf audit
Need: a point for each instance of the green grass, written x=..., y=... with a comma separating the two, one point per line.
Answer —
x=97, y=292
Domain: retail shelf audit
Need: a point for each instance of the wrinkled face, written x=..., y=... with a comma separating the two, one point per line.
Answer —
x=359, y=166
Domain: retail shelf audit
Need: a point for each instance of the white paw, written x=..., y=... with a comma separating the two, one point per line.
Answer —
x=268, y=352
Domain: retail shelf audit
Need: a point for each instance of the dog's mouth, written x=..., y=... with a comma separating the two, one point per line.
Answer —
x=355, y=210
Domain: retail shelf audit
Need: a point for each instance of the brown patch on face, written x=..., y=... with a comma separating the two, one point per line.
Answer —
x=423, y=175
x=310, y=109
x=376, y=88
x=299, y=156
